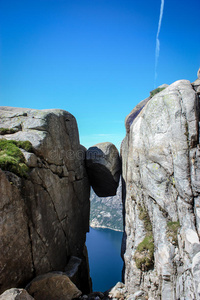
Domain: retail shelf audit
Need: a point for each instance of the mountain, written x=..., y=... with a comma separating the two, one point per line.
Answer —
x=106, y=212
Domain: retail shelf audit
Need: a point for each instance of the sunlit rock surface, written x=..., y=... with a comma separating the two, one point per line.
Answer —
x=16, y=294
x=161, y=186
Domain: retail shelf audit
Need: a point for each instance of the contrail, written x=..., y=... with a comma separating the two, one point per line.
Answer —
x=157, y=40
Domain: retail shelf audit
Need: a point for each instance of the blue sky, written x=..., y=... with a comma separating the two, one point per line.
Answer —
x=94, y=58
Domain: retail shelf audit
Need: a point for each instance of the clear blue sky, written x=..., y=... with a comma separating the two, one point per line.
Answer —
x=94, y=58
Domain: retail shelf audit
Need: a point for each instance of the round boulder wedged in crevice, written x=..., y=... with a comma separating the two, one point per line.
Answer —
x=104, y=168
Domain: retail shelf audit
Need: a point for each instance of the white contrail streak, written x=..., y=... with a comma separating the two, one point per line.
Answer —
x=157, y=40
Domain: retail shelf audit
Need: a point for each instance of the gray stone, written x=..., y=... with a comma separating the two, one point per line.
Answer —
x=44, y=217
x=118, y=291
x=196, y=86
x=139, y=295
x=160, y=170
x=54, y=286
x=198, y=74
x=15, y=294
x=134, y=113
x=15, y=247
x=104, y=168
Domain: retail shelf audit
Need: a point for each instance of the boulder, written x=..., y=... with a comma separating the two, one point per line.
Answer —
x=119, y=291
x=104, y=168
x=198, y=74
x=44, y=214
x=53, y=286
x=15, y=294
x=161, y=175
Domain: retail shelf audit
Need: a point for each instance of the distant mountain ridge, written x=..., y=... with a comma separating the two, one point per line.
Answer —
x=106, y=212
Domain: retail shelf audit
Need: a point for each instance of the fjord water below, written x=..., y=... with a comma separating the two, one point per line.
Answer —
x=104, y=249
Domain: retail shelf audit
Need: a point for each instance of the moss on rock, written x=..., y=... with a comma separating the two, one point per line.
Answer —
x=156, y=91
x=4, y=131
x=144, y=216
x=11, y=157
x=144, y=255
x=172, y=230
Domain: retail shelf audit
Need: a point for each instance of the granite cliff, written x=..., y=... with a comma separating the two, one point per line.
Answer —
x=161, y=195
x=44, y=209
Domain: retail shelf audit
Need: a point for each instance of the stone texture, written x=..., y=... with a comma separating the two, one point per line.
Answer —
x=15, y=246
x=134, y=113
x=53, y=286
x=74, y=270
x=15, y=294
x=118, y=291
x=45, y=217
x=161, y=176
x=104, y=168
x=196, y=86
x=137, y=109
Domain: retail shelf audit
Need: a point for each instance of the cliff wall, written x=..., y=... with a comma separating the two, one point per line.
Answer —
x=44, y=209
x=161, y=190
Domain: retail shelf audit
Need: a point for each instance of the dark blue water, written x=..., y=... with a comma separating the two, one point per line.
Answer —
x=104, y=248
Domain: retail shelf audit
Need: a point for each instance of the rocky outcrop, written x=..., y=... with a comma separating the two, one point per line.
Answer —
x=196, y=86
x=161, y=187
x=104, y=168
x=53, y=286
x=138, y=108
x=198, y=74
x=15, y=294
x=106, y=212
x=44, y=216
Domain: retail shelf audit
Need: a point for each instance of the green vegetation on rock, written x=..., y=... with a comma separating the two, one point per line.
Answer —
x=172, y=230
x=156, y=91
x=11, y=157
x=144, y=216
x=4, y=131
x=144, y=254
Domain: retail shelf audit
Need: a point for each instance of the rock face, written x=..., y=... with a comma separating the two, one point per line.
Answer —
x=161, y=187
x=138, y=108
x=104, y=168
x=15, y=294
x=106, y=212
x=44, y=217
x=53, y=286
x=198, y=74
